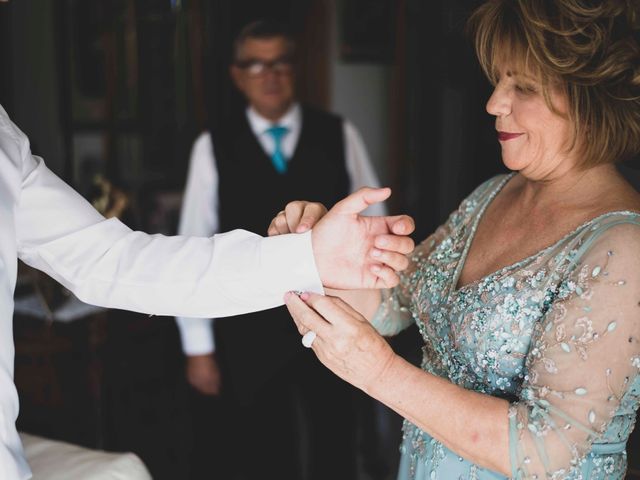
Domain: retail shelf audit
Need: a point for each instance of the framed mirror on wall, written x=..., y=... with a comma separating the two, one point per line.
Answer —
x=101, y=78
x=127, y=99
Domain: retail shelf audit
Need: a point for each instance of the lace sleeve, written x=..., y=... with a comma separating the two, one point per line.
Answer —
x=584, y=359
x=394, y=314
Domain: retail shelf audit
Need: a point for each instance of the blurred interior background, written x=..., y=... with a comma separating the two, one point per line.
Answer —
x=112, y=95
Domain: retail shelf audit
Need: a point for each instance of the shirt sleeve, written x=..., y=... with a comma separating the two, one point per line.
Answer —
x=105, y=263
x=584, y=359
x=359, y=168
x=199, y=217
x=196, y=335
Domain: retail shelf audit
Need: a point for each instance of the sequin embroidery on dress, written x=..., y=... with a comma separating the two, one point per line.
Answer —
x=557, y=334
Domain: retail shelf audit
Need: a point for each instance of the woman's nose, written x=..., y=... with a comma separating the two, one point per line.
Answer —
x=499, y=103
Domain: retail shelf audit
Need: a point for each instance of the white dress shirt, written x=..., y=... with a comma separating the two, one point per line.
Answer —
x=49, y=226
x=200, y=215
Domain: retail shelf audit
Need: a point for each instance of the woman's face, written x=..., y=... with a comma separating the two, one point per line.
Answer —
x=534, y=139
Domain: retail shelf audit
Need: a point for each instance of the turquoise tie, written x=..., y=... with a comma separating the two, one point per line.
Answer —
x=277, y=157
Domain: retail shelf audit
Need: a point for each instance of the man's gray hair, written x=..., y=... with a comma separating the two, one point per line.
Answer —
x=263, y=30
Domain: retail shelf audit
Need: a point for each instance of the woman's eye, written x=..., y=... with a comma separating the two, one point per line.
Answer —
x=526, y=89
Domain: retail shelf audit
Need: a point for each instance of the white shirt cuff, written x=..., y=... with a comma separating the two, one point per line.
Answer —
x=292, y=256
x=196, y=335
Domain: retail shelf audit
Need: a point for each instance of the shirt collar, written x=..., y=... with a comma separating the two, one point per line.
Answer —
x=259, y=124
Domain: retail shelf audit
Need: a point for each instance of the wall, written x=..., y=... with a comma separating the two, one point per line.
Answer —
x=360, y=92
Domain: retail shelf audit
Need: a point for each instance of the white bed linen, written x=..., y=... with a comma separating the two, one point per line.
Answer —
x=55, y=460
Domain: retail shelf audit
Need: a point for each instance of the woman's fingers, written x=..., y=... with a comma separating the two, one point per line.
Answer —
x=305, y=317
x=332, y=309
x=278, y=225
x=297, y=217
x=293, y=213
x=347, y=308
x=310, y=216
x=273, y=228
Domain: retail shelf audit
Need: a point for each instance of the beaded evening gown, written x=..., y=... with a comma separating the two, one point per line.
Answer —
x=556, y=334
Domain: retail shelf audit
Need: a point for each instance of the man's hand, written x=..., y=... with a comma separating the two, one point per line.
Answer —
x=203, y=374
x=351, y=251
x=358, y=252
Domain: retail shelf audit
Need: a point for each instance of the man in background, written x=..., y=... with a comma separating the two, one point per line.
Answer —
x=283, y=405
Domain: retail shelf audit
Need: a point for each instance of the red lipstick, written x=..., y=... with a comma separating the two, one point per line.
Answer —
x=504, y=136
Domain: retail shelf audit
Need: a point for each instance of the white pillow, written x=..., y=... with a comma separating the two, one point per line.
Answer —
x=55, y=460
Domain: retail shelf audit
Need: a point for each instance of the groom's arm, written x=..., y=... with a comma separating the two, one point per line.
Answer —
x=105, y=263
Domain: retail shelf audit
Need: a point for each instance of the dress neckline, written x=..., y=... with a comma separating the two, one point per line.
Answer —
x=454, y=289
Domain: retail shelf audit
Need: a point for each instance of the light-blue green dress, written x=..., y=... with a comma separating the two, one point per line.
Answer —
x=556, y=334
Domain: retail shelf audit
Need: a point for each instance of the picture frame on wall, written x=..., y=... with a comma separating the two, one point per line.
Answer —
x=102, y=62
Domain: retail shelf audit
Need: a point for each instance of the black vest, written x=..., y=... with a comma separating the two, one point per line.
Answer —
x=253, y=347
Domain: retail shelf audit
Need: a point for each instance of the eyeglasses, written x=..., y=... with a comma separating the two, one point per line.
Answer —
x=257, y=68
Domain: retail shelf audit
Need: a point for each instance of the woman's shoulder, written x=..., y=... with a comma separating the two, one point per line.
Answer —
x=619, y=217
x=617, y=223
x=612, y=232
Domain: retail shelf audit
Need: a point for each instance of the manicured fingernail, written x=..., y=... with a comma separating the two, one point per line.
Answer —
x=382, y=242
x=305, y=296
x=287, y=296
x=375, y=252
x=303, y=227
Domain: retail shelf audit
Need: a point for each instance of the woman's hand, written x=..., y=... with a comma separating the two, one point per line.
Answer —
x=345, y=342
x=297, y=217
